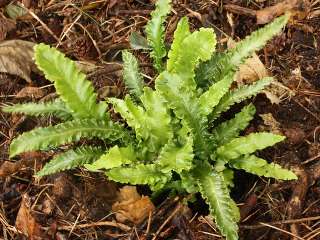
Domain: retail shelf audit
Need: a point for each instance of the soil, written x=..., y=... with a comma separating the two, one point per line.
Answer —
x=72, y=205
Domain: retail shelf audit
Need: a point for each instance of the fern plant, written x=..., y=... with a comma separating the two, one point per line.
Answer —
x=172, y=138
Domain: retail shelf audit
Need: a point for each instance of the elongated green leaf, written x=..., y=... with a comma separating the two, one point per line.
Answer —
x=209, y=99
x=219, y=65
x=72, y=86
x=239, y=95
x=71, y=159
x=157, y=117
x=176, y=158
x=199, y=45
x=180, y=34
x=155, y=32
x=248, y=144
x=186, y=107
x=228, y=130
x=156, y=131
x=56, y=108
x=133, y=114
x=71, y=131
x=115, y=157
x=261, y=167
x=215, y=191
x=131, y=76
x=140, y=174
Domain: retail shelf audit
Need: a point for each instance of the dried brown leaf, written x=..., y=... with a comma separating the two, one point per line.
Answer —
x=16, y=58
x=6, y=25
x=33, y=92
x=267, y=14
x=26, y=223
x=131, y=206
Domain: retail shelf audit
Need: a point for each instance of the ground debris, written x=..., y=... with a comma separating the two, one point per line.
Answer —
x=16, y=58
x=26, y=223
x=131, y=206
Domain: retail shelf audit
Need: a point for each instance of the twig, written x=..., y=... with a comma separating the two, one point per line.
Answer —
x=97, y=224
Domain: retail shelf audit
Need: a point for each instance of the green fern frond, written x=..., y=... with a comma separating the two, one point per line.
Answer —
x=219, y=65
x=154, y=130
x=197, y=46
x=155, y=32
x=56, y=108
x=140, y=174
x=239, y=95
x=115, y=157
x=182, y=31
x=72, y=86
x=131, y=76
x=186, y=107
x=176, y=158
x=215, y=191
x=159, y=127
x=228, y=130
x=209, y=99
x=71, y=131
x=247, y=145
x=71, y=159
x=261, y=167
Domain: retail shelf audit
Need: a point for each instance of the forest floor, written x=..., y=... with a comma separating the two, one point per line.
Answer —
x=78, y=205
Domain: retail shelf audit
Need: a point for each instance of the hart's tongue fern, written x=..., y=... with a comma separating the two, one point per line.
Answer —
x=170, y=129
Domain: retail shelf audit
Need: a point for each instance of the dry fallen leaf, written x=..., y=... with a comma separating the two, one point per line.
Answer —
x=271, y=123
x=131, y=206
x=16, y=58
x=267, y=14
x=252, y=70
x=26, y=223
x=33, y=92
x=6, y=25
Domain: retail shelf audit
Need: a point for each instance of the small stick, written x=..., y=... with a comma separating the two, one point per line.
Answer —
x=97, y=224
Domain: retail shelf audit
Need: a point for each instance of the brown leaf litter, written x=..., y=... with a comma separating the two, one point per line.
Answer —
x=131, y=206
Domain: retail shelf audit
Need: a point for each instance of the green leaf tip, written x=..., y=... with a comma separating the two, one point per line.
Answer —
x=71, y=85
x=155, y=32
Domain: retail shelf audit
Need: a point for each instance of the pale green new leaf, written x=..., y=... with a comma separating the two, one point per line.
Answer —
x=115, y=157
x=131, y=76
x=228, y=130
x=155, y=32
x=180, y=34
x=261, y=167
x=247, y=145
x=238, y=95
x=176, y=158
x=209, y=99
x=140, y=174
x=157, y=117
x=71, y=131
x=133, y=114
x=71, y=159
x=186, y=107
x=199, y=45
x=56, y=108
x=72, y=86
x=215, y=191
x=155, y=130
x=220, y=64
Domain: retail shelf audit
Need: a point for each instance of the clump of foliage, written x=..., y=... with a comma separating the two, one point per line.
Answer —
x=172, y=138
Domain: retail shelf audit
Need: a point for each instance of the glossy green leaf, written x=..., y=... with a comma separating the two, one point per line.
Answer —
x=115, y=157
x=155, y=31
x=228, y=130
x=261, y=167
x=72, y=86
x=131, y=76
x=68, y=132
x=248, y=144
x=71, y=159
